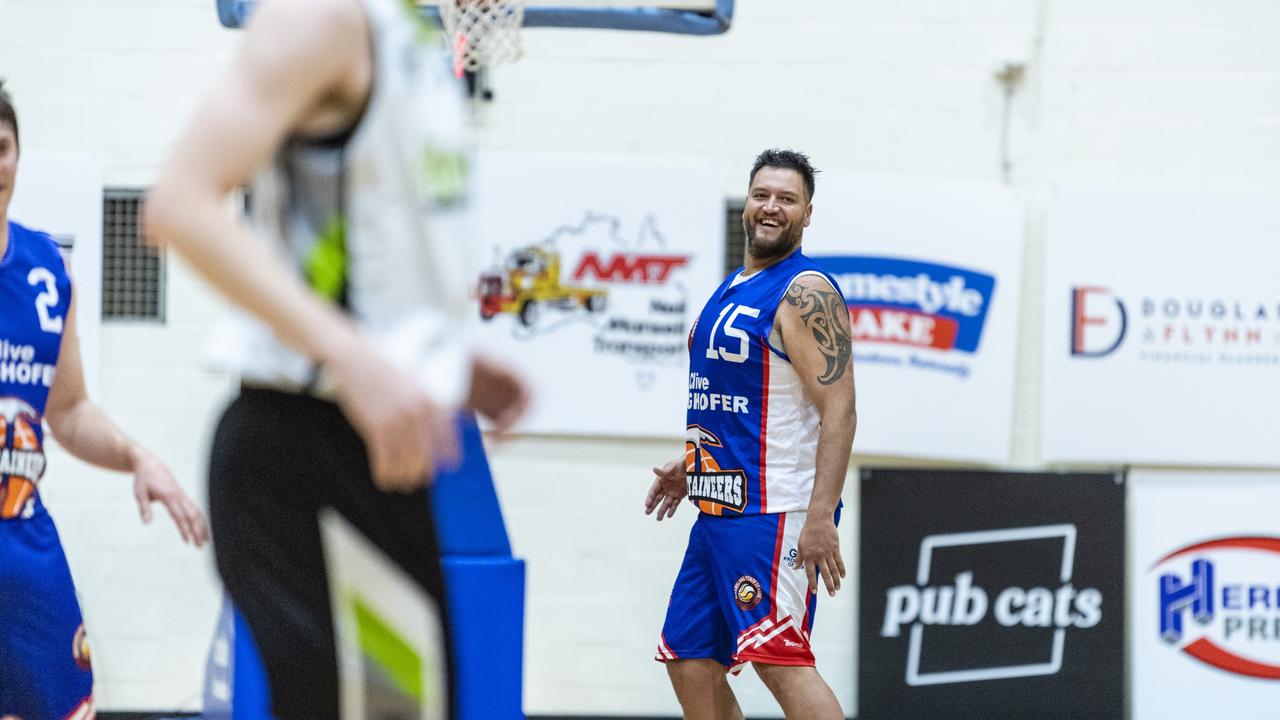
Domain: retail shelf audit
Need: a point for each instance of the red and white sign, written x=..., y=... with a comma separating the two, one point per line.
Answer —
x=596, y=270
x=1161, y=329
x=1205, y=609
x=932, y=275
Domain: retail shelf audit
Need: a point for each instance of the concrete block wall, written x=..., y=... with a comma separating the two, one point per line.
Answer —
x=1117, y=92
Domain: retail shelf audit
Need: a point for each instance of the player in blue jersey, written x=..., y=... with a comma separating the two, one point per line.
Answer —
x=770, y=426
x=44, y=658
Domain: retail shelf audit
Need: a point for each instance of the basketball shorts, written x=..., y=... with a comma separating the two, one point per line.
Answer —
x=739, y=596
x=44, y=658
x=277, y=459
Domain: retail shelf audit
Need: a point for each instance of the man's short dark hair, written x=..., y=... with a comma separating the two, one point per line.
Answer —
x=7, y=113
x=789, y=160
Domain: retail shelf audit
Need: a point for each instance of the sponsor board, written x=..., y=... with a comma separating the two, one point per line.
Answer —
x=1206, y=604
x=932, y=302
x=1160, y=308
x=595, y=275
x=996, y=595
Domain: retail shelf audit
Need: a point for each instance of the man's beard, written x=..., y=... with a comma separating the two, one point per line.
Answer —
x=772, y=249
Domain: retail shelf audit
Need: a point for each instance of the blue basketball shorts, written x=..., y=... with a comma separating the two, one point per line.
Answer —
x=739, y=596
x=44, y=658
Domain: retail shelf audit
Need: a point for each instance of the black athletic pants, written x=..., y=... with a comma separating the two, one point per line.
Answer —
x=277, y=459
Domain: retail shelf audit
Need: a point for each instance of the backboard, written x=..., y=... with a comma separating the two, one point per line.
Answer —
x=684, y=17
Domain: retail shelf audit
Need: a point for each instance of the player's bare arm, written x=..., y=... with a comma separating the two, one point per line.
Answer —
x=813, y=322
x=826, y=317
x=86, y=432
x=304, y=68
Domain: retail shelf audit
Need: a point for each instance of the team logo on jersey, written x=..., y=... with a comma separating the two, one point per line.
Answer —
x=712, y=488
x=21, y=457
x=747, y=593
x=80, y=649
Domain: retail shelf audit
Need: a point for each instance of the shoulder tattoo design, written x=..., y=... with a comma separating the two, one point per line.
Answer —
x=821, y=311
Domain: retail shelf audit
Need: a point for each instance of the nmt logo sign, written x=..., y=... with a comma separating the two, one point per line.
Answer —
x=991, y=595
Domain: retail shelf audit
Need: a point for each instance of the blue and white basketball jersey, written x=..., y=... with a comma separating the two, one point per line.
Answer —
x=752, y=433
x=45, y=668
x=35, y=292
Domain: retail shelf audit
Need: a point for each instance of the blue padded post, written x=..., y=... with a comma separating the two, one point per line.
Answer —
x=252, y=701
x=486, y=606
x=468, y=518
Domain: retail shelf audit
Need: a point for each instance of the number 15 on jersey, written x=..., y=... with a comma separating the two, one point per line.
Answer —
x=719, y=352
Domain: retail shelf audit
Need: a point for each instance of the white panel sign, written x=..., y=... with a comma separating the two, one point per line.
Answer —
x=1161, y=328
x=931, y=273
x=596, y=271
x=62, y=195
x=1205, y=595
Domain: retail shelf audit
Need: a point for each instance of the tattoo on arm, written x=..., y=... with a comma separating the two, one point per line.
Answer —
x=821, y=310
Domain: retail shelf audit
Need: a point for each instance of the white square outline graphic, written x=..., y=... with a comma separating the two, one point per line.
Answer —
x=1040, y=532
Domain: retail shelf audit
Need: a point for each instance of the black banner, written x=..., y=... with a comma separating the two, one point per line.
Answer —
x=991, y=595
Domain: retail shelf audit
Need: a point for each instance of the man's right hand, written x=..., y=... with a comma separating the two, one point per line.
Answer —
x=668, y=489
x=407, y=435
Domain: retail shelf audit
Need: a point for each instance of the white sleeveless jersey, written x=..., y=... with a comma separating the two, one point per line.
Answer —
x=376, y=220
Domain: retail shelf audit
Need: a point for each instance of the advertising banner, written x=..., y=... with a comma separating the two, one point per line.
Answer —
x=596, y=270
x=932, y=275
x=1205, y=610
x=991, y=595
x=1161, y=329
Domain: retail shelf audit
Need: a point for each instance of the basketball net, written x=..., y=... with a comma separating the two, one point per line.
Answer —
x=482, y=32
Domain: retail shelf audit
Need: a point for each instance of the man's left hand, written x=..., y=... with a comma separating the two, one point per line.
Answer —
x=818, y=552
x=153, y=482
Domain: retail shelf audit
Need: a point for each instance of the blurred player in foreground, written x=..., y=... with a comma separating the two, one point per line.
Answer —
x=346, y=122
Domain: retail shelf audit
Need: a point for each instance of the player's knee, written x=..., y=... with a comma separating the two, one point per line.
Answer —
x=779, y=678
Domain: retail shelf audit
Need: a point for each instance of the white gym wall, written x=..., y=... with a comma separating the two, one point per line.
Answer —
x=1128, y=93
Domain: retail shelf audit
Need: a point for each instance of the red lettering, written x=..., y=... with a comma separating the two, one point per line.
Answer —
x=1081, y=320
x=644, y=269
x=902, y=327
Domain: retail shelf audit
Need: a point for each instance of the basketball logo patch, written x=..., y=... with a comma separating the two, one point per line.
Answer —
x=746, y=592
x=80, y=649
x=21, y=457
x=712, y=488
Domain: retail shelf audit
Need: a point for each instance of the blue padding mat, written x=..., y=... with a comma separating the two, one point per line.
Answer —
x=486, y=605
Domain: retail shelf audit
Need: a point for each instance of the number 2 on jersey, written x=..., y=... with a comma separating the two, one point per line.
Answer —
x=46, y=299
x=744, y=341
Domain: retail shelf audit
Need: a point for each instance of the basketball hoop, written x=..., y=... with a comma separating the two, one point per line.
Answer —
x=482, y=32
